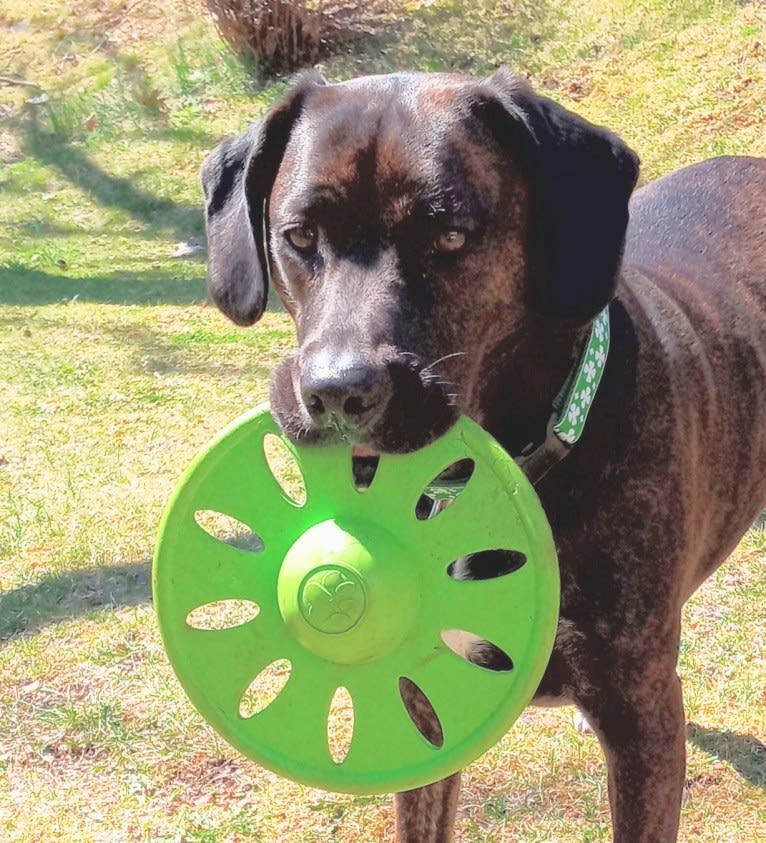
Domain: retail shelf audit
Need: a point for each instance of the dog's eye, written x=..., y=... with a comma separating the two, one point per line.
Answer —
x=302, y=237
x=450, y=240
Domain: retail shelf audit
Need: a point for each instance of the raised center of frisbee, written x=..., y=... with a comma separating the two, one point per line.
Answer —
x=332, y=599
x=348, y=593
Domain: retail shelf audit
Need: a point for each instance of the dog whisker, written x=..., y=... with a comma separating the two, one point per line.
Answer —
x=442, y=359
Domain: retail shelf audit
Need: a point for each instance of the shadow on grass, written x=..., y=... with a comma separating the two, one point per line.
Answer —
x=745, y=753
x=151, y=352
x=64, y=596
x=110, y=191
x=20, y=285
x=434, y=37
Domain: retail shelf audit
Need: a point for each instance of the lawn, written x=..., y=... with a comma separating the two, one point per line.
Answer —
x=115, y=371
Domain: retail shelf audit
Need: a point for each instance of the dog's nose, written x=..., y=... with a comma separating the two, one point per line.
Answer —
x=351, y=393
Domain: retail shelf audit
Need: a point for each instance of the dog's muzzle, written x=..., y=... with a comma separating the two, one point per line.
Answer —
x=349, y=394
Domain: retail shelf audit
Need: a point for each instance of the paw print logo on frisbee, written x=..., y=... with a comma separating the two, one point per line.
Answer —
x=434, y=631
x=332, y=599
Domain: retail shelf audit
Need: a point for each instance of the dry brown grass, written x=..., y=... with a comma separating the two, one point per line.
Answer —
x=284, y=35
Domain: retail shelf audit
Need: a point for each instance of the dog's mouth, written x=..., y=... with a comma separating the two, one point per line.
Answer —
x=364, y=464
x=359, y=452
x=414, y=414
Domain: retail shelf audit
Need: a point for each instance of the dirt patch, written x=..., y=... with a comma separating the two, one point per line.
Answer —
x=202, y=779
x=127, y=22
x=10, y=150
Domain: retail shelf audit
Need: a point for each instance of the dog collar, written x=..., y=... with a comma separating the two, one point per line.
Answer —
x=572, y=404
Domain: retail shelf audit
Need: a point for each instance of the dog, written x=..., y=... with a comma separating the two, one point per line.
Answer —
x=443, y=244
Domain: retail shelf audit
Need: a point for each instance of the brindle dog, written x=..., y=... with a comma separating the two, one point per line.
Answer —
x=443, y=244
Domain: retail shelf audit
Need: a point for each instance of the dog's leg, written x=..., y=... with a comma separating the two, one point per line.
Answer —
x=641, y=728
x=581, y=723
x=427, y=814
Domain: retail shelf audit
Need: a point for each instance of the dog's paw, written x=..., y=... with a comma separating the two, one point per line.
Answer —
x=581, y=723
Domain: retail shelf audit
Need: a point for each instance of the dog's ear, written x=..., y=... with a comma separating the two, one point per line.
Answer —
x=581, y=177
x=236, y=180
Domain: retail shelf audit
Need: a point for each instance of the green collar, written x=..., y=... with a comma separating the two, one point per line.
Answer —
x=572, y=405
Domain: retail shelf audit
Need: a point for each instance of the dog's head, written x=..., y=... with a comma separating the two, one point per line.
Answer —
x=426, y=233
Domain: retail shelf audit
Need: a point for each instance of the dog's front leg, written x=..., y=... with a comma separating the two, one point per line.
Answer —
x=642, y=732
x=427, y=814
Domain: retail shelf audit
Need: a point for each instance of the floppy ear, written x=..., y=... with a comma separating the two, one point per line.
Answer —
x=236, y=180
x=581, y=177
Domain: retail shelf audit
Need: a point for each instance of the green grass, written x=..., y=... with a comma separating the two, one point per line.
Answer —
x=115, y=372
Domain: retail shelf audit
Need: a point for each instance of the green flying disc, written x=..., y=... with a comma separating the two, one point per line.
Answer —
x=358, y=589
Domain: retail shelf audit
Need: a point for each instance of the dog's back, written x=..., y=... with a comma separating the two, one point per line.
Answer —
x=704, y=222
x=695, y=260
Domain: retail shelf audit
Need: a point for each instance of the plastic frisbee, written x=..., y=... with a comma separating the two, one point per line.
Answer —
x=356, y=590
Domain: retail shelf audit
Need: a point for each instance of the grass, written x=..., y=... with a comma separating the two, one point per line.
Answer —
x=115, y=372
